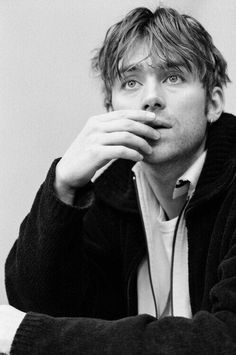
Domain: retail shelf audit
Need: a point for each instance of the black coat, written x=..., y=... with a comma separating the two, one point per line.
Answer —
x=82, y=262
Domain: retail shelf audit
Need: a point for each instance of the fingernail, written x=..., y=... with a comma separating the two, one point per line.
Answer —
x=157, y=135
x=140, y=157
x=151, y=114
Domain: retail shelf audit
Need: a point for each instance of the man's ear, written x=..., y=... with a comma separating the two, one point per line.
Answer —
x=215, y=104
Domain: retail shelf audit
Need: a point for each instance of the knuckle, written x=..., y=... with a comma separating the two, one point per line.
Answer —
x=143, y=144
x=123, y=114
x=89, y=123
x=123, y=151
x=127, y=135
x=93, y=120
x=130, y=125
x=93, y=124
x=147, y=130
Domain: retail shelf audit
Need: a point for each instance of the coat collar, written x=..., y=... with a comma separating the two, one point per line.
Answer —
x=116, y=187
x=220, y=166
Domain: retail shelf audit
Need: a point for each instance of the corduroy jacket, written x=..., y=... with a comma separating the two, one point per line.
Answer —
x=80, y=262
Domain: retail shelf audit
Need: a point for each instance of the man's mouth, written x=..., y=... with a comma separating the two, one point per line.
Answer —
x=159, y=124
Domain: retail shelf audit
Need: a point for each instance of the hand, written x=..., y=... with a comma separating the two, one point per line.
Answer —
x=117, y=134
x=10, y=319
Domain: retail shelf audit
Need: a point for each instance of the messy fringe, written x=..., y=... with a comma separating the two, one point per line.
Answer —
x=172, y=37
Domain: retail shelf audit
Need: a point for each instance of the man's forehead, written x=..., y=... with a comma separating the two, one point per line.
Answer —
x=136, y=56
x=141, y=57
x=133, y=65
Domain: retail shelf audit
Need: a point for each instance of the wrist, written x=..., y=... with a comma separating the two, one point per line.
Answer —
x=64, y=192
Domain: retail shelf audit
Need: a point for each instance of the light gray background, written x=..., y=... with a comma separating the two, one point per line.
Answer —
x=47, y=90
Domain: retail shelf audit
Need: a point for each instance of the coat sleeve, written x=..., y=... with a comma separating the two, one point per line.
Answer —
x=54, y=262
x=203, y=335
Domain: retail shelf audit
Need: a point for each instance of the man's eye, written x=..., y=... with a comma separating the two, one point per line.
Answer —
x=130, y=84
x=174, y=79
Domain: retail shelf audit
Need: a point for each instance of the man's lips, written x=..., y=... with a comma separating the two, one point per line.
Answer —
x=158, y=124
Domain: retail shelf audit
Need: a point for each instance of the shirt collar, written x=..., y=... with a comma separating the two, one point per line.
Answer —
x=186, y=183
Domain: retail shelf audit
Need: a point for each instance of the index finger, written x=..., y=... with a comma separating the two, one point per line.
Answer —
x=136, y=115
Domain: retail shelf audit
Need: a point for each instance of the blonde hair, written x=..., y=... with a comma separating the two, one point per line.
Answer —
x=171, y=36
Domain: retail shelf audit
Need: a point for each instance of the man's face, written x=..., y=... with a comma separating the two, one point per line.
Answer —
x=175, y=95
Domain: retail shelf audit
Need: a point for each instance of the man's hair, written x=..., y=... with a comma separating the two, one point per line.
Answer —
x=173, y=37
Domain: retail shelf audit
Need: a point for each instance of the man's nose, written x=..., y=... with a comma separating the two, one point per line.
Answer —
x=153, y=98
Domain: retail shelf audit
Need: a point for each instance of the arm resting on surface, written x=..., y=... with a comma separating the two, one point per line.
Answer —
x=203, y=335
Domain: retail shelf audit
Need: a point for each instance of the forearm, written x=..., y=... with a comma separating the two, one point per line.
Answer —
x=143, y=334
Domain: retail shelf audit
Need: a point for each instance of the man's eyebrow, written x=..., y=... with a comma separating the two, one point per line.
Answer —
x=136, y=67
x=165, y=66
x=180, y=66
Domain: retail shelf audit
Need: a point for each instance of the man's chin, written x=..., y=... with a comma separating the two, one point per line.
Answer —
x=152, y=158
x=159, y=156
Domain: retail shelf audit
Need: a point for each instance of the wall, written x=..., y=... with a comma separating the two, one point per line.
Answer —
x=47, y=90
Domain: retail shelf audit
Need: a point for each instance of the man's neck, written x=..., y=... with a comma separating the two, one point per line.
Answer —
x=165, y=177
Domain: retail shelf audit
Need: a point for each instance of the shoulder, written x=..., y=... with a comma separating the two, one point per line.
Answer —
x=221, y=141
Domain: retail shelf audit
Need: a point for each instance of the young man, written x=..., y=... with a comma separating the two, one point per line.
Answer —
x=143, y=260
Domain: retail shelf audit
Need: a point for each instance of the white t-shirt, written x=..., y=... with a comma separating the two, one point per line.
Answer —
x=159, y=234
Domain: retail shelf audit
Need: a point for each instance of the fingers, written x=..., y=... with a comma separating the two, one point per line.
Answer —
x=119, y=134
x=126, y=129
x=137, y=115
x=126, y=125
x=122, y=152
x=126, y=139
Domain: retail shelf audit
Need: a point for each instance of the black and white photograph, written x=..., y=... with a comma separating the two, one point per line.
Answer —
x=117, y=177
